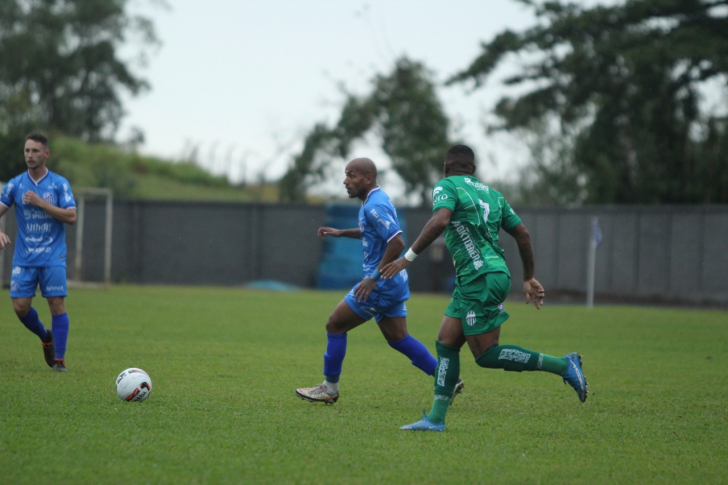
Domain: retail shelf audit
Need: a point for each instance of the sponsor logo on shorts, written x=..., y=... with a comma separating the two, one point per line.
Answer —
x=470, y=318
x=514, y=355
x=442, y=370
x=16, y=270
x=55, y=288
x=501, y=308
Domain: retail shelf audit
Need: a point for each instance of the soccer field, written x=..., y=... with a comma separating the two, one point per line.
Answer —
x=225, y=363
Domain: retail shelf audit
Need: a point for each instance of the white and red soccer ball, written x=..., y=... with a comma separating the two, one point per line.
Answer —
x=133, y=385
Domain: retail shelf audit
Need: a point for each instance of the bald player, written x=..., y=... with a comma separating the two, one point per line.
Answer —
x=383, y=300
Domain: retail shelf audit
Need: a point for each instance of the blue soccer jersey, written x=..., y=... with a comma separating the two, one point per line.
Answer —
x=41, y=239
x=378, y=225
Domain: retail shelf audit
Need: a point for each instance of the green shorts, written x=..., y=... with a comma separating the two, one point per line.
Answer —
x=478, y=302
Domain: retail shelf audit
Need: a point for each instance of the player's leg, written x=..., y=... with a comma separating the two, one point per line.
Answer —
x=23, y=282
x=341, y=320
x=447, y=374
x=60, y=324
x=394, y=328
x=489, y=354
x=53, y=288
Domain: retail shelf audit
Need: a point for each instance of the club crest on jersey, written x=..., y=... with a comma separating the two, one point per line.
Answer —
x=470, y=318
x=48, y=197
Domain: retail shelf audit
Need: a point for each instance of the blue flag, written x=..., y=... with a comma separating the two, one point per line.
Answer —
x=596, y=233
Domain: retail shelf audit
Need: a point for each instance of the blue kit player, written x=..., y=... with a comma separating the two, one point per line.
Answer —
x=43, y=205
x=383, y=300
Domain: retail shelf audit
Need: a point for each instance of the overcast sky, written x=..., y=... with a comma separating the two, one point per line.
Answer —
x=243, y=80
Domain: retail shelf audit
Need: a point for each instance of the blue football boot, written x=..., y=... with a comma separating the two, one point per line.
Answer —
x=423, y=425
x=574, y=376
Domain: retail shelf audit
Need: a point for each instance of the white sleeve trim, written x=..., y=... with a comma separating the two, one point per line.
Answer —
x=394, y=235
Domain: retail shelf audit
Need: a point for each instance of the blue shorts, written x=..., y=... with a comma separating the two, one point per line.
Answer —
x=376, y=306
x=24, y=279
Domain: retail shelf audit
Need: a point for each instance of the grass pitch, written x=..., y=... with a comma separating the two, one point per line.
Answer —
x=225, y=362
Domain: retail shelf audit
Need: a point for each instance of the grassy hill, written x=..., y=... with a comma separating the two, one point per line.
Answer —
x=133, y=175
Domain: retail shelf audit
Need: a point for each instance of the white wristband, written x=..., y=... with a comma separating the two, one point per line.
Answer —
x=410, y=255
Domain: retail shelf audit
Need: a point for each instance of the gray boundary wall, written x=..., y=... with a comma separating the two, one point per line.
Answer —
x=649, y=253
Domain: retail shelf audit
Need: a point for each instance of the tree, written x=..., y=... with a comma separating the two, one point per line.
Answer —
x=626, y=84
x=60, y=69
x=403, y=111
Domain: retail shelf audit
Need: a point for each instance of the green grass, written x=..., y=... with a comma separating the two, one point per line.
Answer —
x=224, y=364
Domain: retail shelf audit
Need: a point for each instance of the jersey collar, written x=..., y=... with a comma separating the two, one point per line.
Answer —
x=371, y=192
x=40, y=179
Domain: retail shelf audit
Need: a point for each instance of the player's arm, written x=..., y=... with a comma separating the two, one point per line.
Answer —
x=435, y=226
x=59, y=213
x=353, y=233
x=531, y=287
x=394, y=249
x=4, y=239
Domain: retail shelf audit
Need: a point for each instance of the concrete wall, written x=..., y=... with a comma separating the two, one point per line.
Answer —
x=669, y=253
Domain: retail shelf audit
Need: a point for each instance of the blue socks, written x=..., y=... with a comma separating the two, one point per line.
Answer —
x=60, y=334
x=336, y=351
x=33, y=323
x=333, y=358
x=417, y=353
x=60, y=325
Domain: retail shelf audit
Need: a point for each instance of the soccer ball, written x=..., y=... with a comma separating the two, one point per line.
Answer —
x=133, y=385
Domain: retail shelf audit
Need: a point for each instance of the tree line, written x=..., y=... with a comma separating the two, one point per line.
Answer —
x=614, y=107
x=60, y=70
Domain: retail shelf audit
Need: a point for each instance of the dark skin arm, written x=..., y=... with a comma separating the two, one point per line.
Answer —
x=438, y=223
x=394, y=248
x=531, y=287
x=432, y=230
x=354, y=233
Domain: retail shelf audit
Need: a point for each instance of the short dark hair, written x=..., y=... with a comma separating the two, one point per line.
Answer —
x=39, y=137
x=460, y=158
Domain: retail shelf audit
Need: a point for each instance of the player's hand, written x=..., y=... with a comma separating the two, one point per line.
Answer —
x=328, y=231
x=392, y=269
x=534, y=292
x=4, y=239
x=364, y=288
x=31, y=198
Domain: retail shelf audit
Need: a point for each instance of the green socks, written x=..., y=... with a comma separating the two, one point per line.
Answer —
x=518, y=359
x=507, y=357
x=447, y=373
